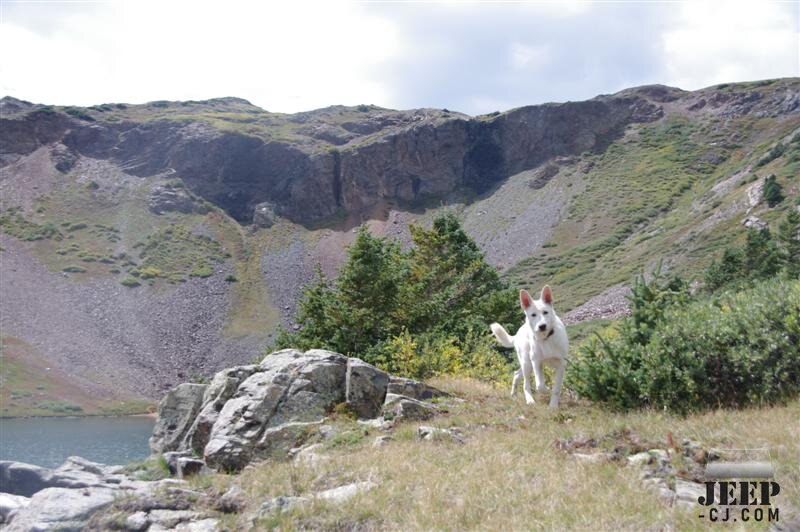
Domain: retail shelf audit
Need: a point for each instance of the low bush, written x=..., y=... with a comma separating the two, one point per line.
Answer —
x=732, y=349
x=130, y=282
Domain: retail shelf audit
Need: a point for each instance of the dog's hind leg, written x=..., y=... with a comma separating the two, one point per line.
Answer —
x=517, y=377
x=556, y=395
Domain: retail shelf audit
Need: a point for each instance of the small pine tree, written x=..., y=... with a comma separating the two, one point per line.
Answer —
x=789, y=237
x=727, y=269
x=773, y=192
x=761, y=257
x=449, y=284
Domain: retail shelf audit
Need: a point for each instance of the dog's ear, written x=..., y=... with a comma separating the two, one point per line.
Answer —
x=525, y=299
x=547, y=295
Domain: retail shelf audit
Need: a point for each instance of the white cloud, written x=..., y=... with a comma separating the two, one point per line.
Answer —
x=283, y=56
x=525, y=57
x=714, y=42
x=473, y=57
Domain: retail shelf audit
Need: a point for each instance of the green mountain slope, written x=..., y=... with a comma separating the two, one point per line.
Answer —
x=172, y=239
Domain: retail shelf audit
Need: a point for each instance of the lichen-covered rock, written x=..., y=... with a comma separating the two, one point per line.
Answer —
x=277, y=407
x=271, y=409
x=176, y=414
x=413, y=389
x=401, y=407
x=436, y=433
x=220, y=389
x=60, y=509
x=366, y=388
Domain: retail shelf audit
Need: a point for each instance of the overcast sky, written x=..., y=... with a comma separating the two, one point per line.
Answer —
x=475, y=57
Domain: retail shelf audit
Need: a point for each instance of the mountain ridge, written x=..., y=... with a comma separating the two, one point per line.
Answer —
x=135, y=215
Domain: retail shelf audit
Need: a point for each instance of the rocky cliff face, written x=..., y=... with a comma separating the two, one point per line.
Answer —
x=382, y=155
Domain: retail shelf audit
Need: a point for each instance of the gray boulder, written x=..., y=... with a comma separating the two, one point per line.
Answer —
x=413, y=389
x=60, y=509
x=176, y=414
x=220, y=389
x=263, y=411
x=366, y=388
x=401, y=407
x=264, y=215
x=276, y=408
x=281, y=504
x=439, y=434
x=18, y=478
x=171, y=457
x=188, y=467
x=9, y=504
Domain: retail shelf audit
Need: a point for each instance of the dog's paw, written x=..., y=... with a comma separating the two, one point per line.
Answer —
x=529, y=399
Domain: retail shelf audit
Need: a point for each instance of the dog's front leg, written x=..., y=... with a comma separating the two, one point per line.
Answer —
x=526, y=375
x=538, y=374
x=556, y=395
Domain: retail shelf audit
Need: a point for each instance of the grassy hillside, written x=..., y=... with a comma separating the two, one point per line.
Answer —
x=674, y=190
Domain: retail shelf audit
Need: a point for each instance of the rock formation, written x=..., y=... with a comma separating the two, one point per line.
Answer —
x=264, y=411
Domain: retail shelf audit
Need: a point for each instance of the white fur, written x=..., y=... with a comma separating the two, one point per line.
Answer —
x=535, y=346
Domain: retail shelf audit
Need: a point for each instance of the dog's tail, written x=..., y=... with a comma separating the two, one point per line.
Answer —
x=501, y=335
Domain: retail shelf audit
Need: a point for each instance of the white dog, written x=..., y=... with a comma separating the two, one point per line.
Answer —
x=542, y=339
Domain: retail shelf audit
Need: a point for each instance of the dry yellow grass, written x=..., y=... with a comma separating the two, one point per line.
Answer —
x=509, y=476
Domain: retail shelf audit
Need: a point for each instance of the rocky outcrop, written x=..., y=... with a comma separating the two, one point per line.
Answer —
x=18, y=478
x=63, y=158
x=65, y=498
x=177, y=413
x=264, y=215
x=60, y=509
x=269, y=410
x=169, y=198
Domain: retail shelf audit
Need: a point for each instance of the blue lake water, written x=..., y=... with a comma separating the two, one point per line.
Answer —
x=49, y=441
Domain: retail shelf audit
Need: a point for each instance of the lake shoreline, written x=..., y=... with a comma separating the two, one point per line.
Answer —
x=80, y=416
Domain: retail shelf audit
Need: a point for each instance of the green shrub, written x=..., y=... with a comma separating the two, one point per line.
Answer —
x=202, y=270
x=733, y=349
x=130, y=282
x=418, y=313
x=79, y=113
x=74, y=269
x=773, y=192
x=15, y=224
x=230, y=278
x=774, y=152
x=761, y=256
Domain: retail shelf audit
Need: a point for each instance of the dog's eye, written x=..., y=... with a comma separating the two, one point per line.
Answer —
x=533, y=315
x=545, y=312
